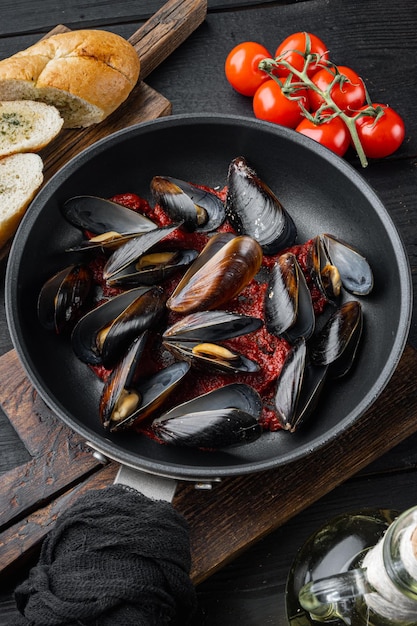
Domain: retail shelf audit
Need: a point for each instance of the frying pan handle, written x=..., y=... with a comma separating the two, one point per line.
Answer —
x=152, y=486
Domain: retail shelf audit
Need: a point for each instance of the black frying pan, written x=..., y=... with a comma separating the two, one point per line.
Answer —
x=322, y=193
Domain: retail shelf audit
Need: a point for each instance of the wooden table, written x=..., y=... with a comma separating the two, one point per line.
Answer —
x=374, y=37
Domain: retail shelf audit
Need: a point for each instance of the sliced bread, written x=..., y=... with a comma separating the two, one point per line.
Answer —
x=27, y=126
x=21, y=175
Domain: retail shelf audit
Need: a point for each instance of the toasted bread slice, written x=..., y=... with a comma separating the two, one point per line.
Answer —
x=27, y=126
x=21, y=175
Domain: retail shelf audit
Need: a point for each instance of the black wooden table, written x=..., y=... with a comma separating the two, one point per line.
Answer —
x=375, y=37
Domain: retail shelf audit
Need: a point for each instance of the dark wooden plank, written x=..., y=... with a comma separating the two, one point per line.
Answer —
x=16, y=17
x=58, y=457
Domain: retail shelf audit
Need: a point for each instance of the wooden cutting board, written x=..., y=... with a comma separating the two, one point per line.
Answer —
x=153, y=42
x=223, y=521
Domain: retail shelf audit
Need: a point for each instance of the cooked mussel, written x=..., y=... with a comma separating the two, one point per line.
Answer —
x=223, y=417
x=337, y=343
x=63, y=296
x=221, y=271
x=355, y=272
x=104, y=333
x=288, y=305
x=99, y=216
x=139, y=261
x=324, y=273
x=148, y=395
x=199, y=208
x=119, y=398
x=195, y=338
x=254, y=210
x=212, y=356
x=298, y=387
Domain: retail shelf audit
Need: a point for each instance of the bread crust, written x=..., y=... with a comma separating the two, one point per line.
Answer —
x=98, y=67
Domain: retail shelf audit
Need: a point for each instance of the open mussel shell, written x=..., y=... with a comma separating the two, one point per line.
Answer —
x=138, y=262
x=199, y=208
x=337, y=343
x=225, y=416
x=153, y=391
x=99, y=215
x=298, y=387
x=102, y=336
x=324, y=273
x=355, y=272
x=211, y=326
x=221, y=271
x=254, y=210
x=154, y=267
x=288, y=305
x=119, y=399
x=212, y=356
x=63, y=296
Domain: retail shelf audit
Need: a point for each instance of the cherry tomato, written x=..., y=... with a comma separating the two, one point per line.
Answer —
x=241, y=67
x=333, y=134
x=382, y=137
x=298, y=41
x=349, y=95
x=272, y=105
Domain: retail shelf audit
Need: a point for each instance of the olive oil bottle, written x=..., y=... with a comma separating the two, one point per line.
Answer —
x=359, y=569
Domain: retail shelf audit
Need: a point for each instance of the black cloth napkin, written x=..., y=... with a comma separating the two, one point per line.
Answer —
x=115, y=557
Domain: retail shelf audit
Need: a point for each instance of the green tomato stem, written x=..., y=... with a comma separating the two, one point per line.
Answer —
x=329, y=106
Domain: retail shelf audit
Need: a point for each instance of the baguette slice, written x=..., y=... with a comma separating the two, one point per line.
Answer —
x=27, y=126
x=86, y=74
x=21, y=175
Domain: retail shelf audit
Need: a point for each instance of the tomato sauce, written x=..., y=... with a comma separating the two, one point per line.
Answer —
x=260, y=346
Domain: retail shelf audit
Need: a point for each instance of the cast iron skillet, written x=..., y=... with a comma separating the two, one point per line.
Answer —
x=322, y=193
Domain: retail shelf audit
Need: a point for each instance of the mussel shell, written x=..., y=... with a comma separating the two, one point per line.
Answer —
x=253, y=209
x=62, y=297
x=324, y=274
x=187, y=352
x=153, y=391
x=127, y=314
x=99, y=215
x=130, y=275
x=235, y=395
x=222, y=417
x=298, y=387
x=337, y=342
x=210, y=429
x=222, y=270
x=288, y=305
x=355, y=272
x=199, y=208
x=121, y=378
x=133, y=249
x=211, y=326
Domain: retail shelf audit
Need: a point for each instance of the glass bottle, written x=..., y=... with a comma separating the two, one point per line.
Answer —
x=359, y=569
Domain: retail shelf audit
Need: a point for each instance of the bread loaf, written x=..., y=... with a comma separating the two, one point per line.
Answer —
x=21, y=175
x=85, y=74
x=27, y=126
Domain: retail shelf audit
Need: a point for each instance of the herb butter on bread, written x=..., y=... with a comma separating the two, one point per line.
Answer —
x=27, y=126
x=21, y=175
x=85, y=74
